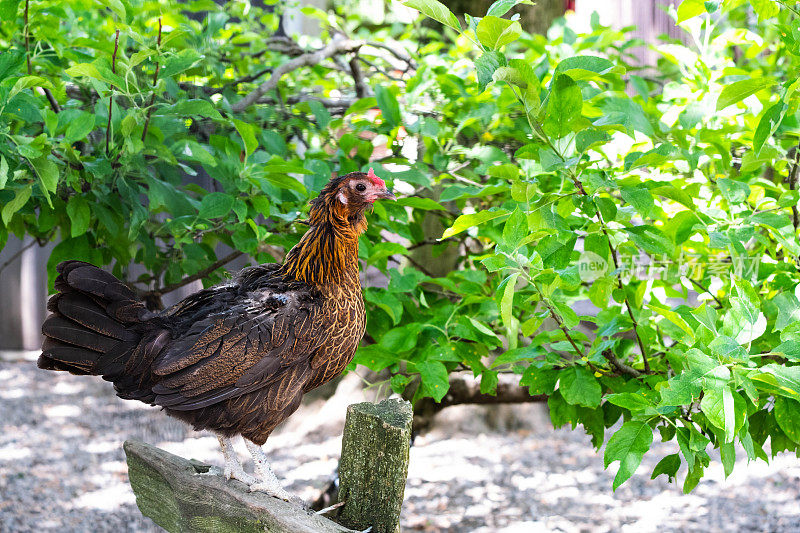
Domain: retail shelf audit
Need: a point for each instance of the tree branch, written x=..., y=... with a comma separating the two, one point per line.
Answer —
x=51, y=99
x=16, y=255
x=699, y=286
x=465, y=389
x=794, y=182
x=197, y=276
x=620, y=285
x=619, y=365
x=27, y=39
x=111, y=96
x=155, y=83
x=376, y=67
x=358, y=77
x=394, y=52
x=337, y=46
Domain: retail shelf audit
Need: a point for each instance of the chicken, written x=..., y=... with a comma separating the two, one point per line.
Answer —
x=237, y=358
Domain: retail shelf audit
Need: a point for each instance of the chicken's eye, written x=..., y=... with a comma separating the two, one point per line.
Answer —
x=361, y=187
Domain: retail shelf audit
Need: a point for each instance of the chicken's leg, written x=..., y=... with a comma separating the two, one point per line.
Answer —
x=269, y=483
x=233, y=468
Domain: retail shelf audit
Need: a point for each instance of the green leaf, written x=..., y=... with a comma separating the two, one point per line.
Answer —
x=786, y=302
x=79, y=127
x=480, y=327
x=507, y=301
x=583, y=67
x=196, y=107
x=321, y=113
x=727, y=453
x=778, y=380
x=563, y=108
x=765, y=8
x=275, y=145
x=789, y=349
x=88, y=70
x=216, y=205
x=744, y=321
x=628, y=445
x=8, y=13
x=739, y=90
x=525, y=353
x=626, y=112
x=682, y=389
x=426, y=204
x=20, y=198
x=717, y=404
x=374, y=357
x=79, y=215
x=181, y=61
x=521, y=74
x=388, y=302
x=589, y=138
x=770, y=120
x=435, y=10
x=787, y=415
x=540, y=380
x=578, y=386
x=486, y=65
x=515, y=229
x=735, y=192
x=247, y=133
x=640, y=198
x=117, y=7
x=630, y=401
x=26, y=82
x=3, y=172
x=399, y=340
x=690, y=9
x=390, y=109
x=47, y=171
x=668, y=466
x=694, y=475
x=501, y=7
x=673, y=317
x=651, y=239
x=435, y=379
x=489, y=382
x=494, y=32
x=465, y=222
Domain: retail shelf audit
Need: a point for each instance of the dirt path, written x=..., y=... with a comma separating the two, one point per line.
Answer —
x=62, y=469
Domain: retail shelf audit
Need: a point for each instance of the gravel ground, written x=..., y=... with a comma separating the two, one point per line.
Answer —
x=483, y=470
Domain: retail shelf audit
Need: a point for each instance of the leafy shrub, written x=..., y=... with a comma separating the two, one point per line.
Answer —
x=630, y=189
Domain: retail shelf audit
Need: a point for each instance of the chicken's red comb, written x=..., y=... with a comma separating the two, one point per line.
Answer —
x=375, y=179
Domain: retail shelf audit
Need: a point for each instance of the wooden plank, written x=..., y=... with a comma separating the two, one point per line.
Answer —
x=188, y=496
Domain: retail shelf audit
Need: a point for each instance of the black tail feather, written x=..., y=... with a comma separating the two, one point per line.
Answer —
x=96, y=324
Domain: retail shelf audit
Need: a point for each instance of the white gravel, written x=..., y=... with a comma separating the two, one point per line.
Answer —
x=480, y=470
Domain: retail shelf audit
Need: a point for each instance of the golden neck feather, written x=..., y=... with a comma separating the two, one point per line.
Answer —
x=328, y=252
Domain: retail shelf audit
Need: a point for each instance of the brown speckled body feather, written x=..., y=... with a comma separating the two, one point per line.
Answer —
x=236, y=358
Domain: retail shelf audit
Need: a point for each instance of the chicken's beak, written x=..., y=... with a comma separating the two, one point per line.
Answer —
x=386, y=194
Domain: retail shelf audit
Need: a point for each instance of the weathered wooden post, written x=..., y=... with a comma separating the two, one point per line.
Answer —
x=374, y=465
x=177, y=496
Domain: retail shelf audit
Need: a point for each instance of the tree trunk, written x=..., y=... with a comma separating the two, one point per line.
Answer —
x=534, y=19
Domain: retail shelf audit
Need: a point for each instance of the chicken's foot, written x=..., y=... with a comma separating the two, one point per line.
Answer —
x=269, y=482
x=233, y=468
